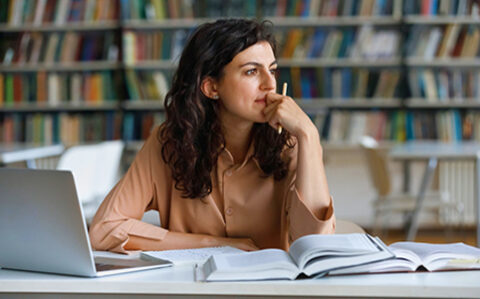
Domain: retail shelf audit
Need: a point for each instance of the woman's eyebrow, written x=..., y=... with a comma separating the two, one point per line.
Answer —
x=256, y=64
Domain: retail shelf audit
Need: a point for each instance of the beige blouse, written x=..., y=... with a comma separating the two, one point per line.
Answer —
x=244, y=204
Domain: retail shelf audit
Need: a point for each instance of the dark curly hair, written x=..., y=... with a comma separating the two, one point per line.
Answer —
x=191, y=136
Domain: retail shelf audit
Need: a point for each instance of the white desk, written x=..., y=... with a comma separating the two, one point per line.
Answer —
x=179, y=283
x=18, y=152
x=432, y=152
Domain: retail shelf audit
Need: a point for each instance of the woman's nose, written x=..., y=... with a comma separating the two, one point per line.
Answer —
x=269, y=82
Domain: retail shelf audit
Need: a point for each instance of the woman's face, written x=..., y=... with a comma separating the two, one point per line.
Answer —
x=245, y=83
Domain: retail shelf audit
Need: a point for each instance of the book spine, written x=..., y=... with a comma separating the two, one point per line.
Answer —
x=59, y=127
x=139, y=125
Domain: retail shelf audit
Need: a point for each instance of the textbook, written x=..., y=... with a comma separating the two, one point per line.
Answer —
x=413, y=256
x=311, y=255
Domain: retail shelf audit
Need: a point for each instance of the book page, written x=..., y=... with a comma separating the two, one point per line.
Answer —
x=436, y=256
x=254, y=265
x=310, y=246
x=189, y=256
x=398, y=264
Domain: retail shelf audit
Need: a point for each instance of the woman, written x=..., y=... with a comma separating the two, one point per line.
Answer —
x=217, y=170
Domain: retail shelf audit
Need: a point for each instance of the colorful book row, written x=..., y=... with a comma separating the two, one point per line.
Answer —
x=60, y=127
x=337, y=126
x=447, y=125
x=364, y=42
x=452, y=40
x=67, y=47
x=153, y=45
x=146, y=85
x=55, y=88
x=58, y=12
x=170, y=9
x=441, y=85
x=341, y=83
x=342, y=125
x=441, y=7
x=138, y=125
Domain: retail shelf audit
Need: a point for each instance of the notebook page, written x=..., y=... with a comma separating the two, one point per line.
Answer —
x=189, y=256
x=453, y=250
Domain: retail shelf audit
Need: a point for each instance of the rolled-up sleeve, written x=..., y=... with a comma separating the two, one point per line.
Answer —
x=119, y=215
x=303, y=221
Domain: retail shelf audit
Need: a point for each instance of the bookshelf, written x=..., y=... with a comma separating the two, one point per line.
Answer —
x=59, y=71
x=330, y=22
x=442, y=66
x=356, y=66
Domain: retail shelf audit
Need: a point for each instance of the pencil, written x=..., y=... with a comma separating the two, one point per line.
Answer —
x=284, y=93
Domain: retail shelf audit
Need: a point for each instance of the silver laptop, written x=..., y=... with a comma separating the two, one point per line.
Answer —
x=42, y=227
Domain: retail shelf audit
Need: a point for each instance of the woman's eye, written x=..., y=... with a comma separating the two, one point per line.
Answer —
x=274, y=72
x=251, y=72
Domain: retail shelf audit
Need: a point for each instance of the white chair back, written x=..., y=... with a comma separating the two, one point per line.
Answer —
x=95, y=168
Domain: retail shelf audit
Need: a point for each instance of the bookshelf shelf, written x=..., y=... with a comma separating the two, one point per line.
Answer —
x=439, y=20
x=143, y=105
x=447, y=62
x=69, y=107
x=285, y=62
x=141, y=24
x=313, y=104
x=353, y=146
x=334, y=21
x=134, y=146
x=152, y=65
x=70, y=26
x=63, y=66
x=317, y=103
x=339, y=62
x=443, y=103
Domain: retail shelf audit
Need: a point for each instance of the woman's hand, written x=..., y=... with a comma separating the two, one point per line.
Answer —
x=282, y=110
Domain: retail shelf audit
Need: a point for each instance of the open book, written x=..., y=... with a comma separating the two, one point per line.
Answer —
x=312, y=255
x=413, y=256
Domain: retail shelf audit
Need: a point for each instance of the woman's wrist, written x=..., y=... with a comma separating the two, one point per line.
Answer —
x=308, y=133
x=209, y=241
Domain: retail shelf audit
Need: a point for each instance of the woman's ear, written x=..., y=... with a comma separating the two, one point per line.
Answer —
x=209, y=88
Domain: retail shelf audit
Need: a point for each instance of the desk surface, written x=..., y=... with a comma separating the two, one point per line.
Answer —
x=180, y=281
x=428, y=149
x=17, y=152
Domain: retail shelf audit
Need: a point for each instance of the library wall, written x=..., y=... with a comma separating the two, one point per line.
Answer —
x=396, y=70
x=77, y=71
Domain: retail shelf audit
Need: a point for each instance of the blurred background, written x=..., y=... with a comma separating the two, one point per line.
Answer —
x=392, y=85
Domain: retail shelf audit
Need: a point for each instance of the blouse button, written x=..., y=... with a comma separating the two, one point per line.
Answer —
x=228, y=173
x=229, y=211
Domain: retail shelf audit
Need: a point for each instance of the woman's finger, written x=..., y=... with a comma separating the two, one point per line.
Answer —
x=273, y=97
x=270, y=107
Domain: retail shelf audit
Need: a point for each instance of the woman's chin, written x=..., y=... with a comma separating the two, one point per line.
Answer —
x=260, y=119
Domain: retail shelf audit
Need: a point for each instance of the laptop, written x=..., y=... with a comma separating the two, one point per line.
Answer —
x=42, y=227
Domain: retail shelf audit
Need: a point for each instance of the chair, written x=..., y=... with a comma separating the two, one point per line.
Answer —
x=347, y=227
x=95, y=170
x=387, y=201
